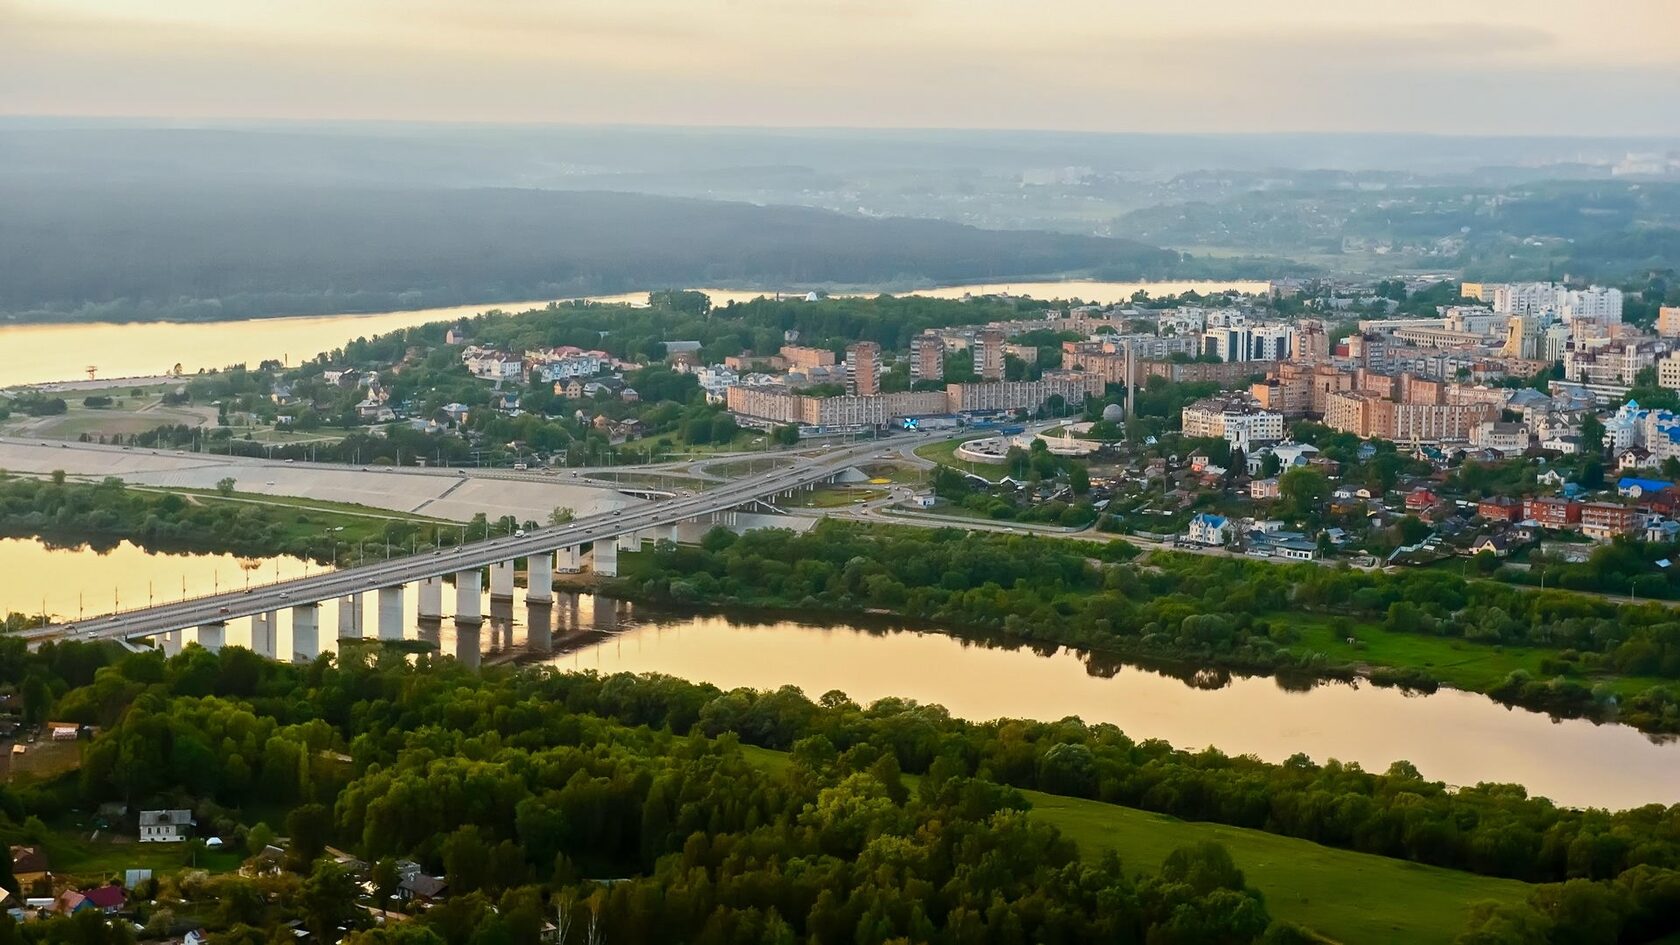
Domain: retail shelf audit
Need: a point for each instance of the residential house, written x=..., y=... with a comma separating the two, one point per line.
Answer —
x=629, y=395
x=1324, y=464
x=1499, y=509
x=1603, y=521
x=1630, y=487
x=1567, y=445
x=165, y=826
x=1421, y=499
x=32, y=869
x=1497, y=545
x=71, y=902
x=1551, y=512
x=1264, y=489
x=107, y=899
x=422, y=888
x=1634, y=457
x=1209, y=529
x=572, y=388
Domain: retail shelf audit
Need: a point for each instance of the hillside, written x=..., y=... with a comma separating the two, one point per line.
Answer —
x=133, y=252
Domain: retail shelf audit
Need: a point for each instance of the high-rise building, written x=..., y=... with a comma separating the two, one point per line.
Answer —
x=1668, y=321
x=1244, y=342
x=1311, y=343
x=988, y=354
x=863, y=368
x=927, y=357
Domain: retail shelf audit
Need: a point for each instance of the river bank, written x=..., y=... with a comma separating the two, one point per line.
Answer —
x=56, y=352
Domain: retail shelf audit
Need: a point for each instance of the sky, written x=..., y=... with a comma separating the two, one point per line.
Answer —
x=1548, y=67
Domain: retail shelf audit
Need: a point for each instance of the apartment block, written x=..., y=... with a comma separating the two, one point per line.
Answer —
x=1603, y=521
x=1552, y=512
x=863, y=368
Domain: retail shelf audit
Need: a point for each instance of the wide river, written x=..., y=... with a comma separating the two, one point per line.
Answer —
x=38, y=354
x=1456, y=737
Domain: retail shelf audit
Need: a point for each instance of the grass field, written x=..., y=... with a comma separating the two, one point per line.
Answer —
x=78, y=855
x=834, y=497
x=1457, y=663
x=1345, y=896
x=944, y=453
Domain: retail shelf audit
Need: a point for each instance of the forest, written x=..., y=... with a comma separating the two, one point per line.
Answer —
x=115, y=252
x=524, y=789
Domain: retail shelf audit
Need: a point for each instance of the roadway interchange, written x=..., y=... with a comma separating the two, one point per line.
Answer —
x=398, y=572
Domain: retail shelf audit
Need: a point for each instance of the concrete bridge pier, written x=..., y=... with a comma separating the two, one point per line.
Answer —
x=431, y=630
x=631, y=541
x=570, y=560
x=606, y=558
x=469, y=588
x=306, y=633
x=350, y=616
x=169, y=642
x=211, y=636
x=391, y=613
x=431, y=597
x=265, y=633
x=539, y=578
x=501, y=580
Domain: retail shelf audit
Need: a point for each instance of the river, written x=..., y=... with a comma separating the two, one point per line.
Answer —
x=39, y=354
x=1456, y=737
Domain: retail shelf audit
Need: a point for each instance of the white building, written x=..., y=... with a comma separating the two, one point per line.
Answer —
x=1243, y=342
x=1235, y=417
x=1508, y=438
x=165, y=826
x=1209, y=529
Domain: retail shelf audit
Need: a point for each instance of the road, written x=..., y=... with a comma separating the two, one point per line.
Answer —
x=215, y=608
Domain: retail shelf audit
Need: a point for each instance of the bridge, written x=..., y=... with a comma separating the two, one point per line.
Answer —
x=544, y=549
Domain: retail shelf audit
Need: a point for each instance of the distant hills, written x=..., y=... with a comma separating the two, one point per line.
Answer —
x=132, y=251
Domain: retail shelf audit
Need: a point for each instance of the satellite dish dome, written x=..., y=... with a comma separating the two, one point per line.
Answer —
x=1114, y=413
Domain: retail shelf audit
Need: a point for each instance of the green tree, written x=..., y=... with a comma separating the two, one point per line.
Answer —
x=328, y=898
x=1304, y=492
x=307, y=828
x=226, y=485
x=1592, y=436
x=385, y=880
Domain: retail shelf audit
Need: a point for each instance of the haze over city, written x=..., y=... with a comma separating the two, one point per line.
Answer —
x=1438, y=66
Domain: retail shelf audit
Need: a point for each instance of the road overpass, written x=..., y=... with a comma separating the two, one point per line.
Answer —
x=543, y=548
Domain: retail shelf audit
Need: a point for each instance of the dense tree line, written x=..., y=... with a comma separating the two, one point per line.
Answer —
x=514, y=788
x=514, y=784
x=1197, y=609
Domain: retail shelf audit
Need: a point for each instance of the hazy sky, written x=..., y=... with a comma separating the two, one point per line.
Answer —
x=1464, y=66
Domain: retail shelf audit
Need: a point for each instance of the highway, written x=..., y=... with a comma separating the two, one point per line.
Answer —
x=219, y=608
